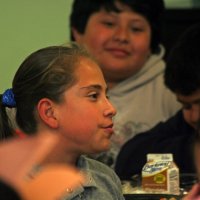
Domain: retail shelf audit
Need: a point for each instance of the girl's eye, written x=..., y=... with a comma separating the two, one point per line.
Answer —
x=93, y=96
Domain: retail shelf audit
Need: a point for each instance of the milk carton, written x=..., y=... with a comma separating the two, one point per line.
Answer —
x=160, y=174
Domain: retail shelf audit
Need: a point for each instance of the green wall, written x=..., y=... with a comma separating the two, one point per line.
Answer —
x=26, y=26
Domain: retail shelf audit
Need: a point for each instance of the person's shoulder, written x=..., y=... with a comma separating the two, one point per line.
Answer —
x=100, y=169
x=105, y=177
x=168, y=127
x=97, y=165
x=163, y=130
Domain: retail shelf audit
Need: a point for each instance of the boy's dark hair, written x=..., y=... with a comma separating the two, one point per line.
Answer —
x=152, y=10
x=182, y=73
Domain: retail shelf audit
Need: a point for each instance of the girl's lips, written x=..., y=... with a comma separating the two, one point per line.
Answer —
x=109, y=132
x=109, y=129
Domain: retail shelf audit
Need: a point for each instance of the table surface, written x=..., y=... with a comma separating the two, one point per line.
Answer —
x=152, y=197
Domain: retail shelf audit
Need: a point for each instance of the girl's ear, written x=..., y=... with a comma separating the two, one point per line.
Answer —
x=46, y=112
x=77, y=35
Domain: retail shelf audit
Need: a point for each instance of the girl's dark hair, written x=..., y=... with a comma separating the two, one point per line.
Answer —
x=6, y=129
x=46, y=73
x=152, y=10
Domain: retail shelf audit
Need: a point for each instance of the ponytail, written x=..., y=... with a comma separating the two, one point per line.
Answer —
x=6, y=127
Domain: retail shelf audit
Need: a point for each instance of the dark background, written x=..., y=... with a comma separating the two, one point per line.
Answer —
x=176, y=21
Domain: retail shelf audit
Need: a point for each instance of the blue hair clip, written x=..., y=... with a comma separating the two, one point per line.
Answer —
x=8, y=99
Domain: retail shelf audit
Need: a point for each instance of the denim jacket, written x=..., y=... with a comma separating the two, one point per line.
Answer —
x=101, y=182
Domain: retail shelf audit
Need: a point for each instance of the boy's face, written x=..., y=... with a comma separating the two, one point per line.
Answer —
x=85, y=115
x=191, y=108
x=119, y=41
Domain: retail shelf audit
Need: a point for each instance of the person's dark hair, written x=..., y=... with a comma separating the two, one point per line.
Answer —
x=46, y=73
x=152, y=10
x=182, y=73
x=6, y=129
x=7, y=192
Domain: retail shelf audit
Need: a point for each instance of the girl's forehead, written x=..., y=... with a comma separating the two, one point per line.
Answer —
x=87, y=66
x=85, y=62
x=88, y=71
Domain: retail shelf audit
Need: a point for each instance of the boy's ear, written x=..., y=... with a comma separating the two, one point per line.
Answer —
x=77, y=35
x=46, y=112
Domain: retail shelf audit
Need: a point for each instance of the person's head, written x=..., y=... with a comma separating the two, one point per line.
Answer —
x=120, y=34
x=182, y=74
x=62, y=89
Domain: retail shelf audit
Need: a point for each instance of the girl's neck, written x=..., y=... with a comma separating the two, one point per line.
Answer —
x=56, y=151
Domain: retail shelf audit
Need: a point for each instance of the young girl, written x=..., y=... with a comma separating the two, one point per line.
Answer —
x=60, y=92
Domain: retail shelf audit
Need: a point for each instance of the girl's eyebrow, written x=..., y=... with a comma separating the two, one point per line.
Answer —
x=95, y=86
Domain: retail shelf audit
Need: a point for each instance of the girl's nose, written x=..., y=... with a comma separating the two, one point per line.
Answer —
x=110, y=110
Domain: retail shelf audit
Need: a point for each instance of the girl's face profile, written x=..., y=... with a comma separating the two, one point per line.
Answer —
x=85, y=115
x=120, y=41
